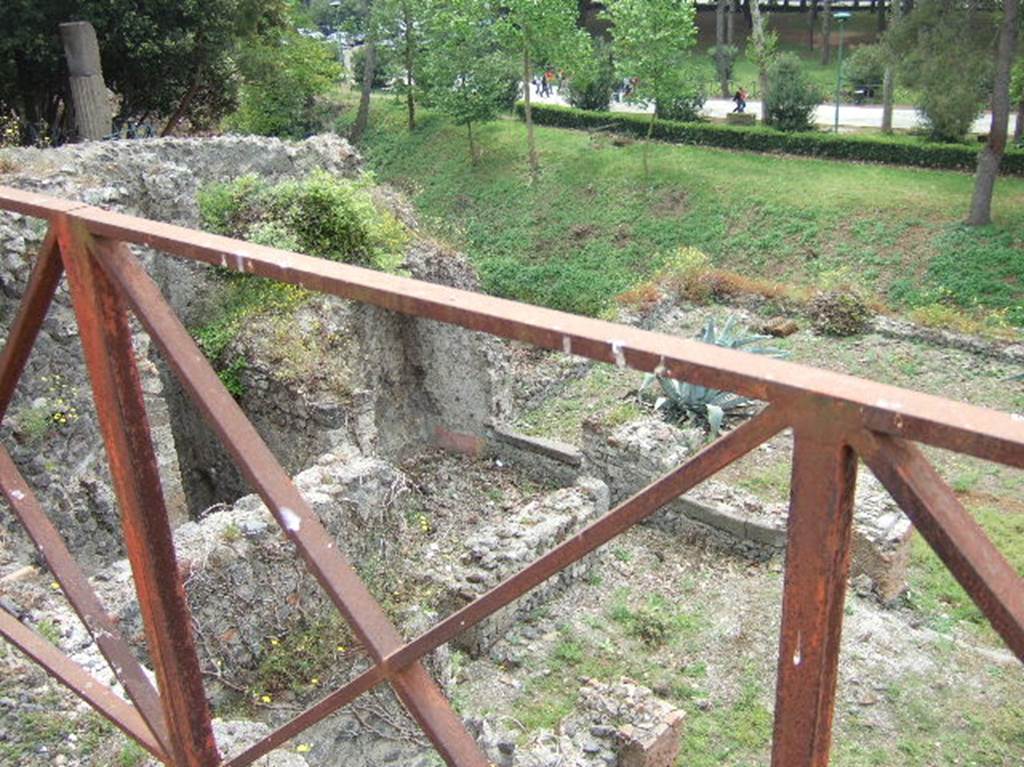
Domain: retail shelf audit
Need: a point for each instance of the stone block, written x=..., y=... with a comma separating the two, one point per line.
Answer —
x=500, y=550
x=741, y=118
x=657, y=746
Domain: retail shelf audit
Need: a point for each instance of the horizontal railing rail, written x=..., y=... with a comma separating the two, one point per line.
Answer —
x=835, y=419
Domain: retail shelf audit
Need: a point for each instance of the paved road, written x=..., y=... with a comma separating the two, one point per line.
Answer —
x=850, y=116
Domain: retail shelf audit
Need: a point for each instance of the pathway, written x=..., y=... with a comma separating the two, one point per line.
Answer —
x=850, y=115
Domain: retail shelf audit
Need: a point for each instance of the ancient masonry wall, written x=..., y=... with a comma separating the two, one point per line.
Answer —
x=632, y=456
x=51, y=429
x=495, y=553
x=410, y=382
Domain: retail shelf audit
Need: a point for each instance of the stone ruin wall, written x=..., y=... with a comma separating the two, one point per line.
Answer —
x=413, y=381
x=629, y=457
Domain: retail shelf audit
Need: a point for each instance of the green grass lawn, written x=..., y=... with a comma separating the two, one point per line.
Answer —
x=593, y=225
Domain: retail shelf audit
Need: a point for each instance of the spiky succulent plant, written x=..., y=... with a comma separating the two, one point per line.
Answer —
x=685, y=401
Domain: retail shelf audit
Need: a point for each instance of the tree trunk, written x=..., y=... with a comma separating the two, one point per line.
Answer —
x=889, y=78
x=369, y=70
x=528, y=112
x=812, y=23
x=474, y=156
x=183, y=106
x=730, y=23
x=723, y=75
x=888, y=86
x=826, y=33
x=747, y=14
x=410, y=50
x=650, y=135
x=88, y=93
x=881, y=16
x=992, y=155
x=757, y=32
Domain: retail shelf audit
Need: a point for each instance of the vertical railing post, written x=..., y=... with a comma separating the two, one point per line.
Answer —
x=817, y=564
x=110, y=359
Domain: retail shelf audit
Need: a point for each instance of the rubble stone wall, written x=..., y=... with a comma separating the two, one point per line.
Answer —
x=494, y=553
x=632, y=456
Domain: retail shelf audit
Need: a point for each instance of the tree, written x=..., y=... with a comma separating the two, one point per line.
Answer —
x=946, y=55
x=792, y=97
x=991, y=156
x=721, y=64
x=541, y=31
x=1017, y=95
x=653, y=39
x=889, y=74
x=762, y=46
x=826, y=33
x=282, y=77
x=163, y=60
x=593, y=81
x=465, y=73
x=369, y=68
x=397, y=23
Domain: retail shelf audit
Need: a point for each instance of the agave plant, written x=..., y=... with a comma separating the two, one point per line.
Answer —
x=690, y=402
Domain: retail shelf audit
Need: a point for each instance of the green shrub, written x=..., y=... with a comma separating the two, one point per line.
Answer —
x=321, y=215
x=329, y=217
x=591, y=87
x=890, y=150
x=950, y=112
x=839, y=313
x=792, y=97
x=384, y=70
x=724, y=56
x=281, y=82
x=685, y=108
x=226, y=208
x=866, y=67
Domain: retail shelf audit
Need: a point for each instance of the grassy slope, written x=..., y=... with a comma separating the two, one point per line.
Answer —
x=593, y=225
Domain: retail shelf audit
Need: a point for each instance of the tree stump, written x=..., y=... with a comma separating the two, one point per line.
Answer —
x=88, y=92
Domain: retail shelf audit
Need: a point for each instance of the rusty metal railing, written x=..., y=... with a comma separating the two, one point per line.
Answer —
x=835, y=420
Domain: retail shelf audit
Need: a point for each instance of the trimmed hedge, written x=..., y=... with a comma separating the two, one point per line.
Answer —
x=888, y=150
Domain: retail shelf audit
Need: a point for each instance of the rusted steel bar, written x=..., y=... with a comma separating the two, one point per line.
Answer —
x=82, y=598
x=260, y=468
x=31, y=312
x=817, y=564
x=323, y=708
x=110, y=359
x=80, y=682
x=992, y=582
x=712, y=459
x=968, y=429
x=36, y=205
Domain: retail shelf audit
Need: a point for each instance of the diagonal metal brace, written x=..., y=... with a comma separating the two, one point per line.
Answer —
x=261, y=469
x=992, y=582
x=75, y=585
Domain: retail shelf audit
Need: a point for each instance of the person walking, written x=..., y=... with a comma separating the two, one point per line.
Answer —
x=741, y=101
